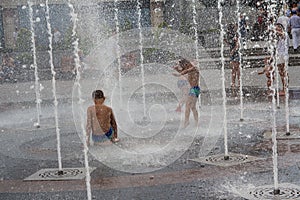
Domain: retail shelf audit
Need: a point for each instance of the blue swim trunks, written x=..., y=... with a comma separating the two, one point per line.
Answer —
x=195, y=91
x=103, y=138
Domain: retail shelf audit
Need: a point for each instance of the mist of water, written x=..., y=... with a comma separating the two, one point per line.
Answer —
x=50, y=51
x=240, y=59
x=116, y=18
x=74, y=19
x=139, y=11
x=223, y=76
x=36, y=75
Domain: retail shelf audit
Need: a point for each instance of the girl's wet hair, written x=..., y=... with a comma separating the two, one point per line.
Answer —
x=184, y=63
x=97, y=94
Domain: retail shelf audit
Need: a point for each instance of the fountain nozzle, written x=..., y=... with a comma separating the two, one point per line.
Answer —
x=288, y=134
x=60, y=172
x=276, y=191
x=226, y=157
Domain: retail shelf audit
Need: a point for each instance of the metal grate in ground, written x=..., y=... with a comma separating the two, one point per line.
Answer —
x=56, y=174
x=286, y=191
x=219, y=159
x=281, y=135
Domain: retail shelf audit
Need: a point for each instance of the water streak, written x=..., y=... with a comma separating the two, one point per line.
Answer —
x=139, y=11
x=196, y=42
x=50, y=51
x=223, y=75
x=271, y=48
x=74, y=19
x=286, y=63
x=116, y=18
x=36, y=75
x=277, y=81
x=240, y=59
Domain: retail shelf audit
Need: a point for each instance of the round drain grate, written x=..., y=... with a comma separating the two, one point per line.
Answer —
x=268, y=193
x=61, y=174
x=232, y=158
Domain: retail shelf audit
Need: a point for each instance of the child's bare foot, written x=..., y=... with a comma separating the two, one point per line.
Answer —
x=186, y=124
x=114, y=140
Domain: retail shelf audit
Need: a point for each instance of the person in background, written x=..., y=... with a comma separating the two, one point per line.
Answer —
x=56, y=36
x=294, y=28
x=232, y=41
x=284, y=19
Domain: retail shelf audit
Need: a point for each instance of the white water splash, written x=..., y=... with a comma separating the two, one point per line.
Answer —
x=223, y=76
x=74, y=19
x=50, y=51
x=36, y=75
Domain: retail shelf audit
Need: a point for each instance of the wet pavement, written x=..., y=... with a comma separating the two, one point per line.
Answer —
x=25, y=150
x=153, y=160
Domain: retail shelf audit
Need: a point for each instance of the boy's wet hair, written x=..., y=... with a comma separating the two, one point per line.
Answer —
x=97, y=94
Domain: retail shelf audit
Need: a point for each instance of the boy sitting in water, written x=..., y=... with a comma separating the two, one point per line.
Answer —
x=268, y=70
x=101, y=121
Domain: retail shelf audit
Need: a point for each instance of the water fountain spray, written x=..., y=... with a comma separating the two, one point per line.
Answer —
x=271, y=48
x=277, y=81
x=74, y=19
x=50, y=51
x=240, y=59
x=220, y=8
x=287, y=109
x=36, y=75
x=196, y=42
x=286, y=87
x=139, y=11
x=116, y=18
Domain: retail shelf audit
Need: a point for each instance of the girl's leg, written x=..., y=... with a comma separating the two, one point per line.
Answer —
x=194, y=110
x=187, y=111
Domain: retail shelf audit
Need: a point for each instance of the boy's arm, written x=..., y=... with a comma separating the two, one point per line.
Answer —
x=88, y=127
x=114, y=124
